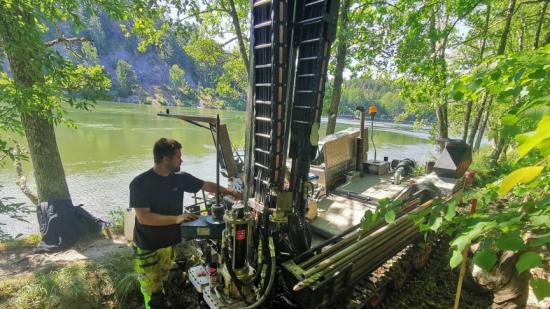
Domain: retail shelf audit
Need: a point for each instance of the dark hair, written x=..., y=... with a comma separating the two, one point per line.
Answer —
x=165, y=147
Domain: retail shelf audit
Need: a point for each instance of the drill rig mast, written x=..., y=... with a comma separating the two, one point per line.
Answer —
x=289, y=51
x=264, y=251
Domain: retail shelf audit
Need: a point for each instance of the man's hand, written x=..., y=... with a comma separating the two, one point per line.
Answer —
x=185, y=218
x=211, y=187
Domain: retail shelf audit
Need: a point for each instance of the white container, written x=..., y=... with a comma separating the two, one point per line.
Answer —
x=129, y=222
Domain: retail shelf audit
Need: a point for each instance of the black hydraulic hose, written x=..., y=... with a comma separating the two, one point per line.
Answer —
x=236, y=280
x=271, y=281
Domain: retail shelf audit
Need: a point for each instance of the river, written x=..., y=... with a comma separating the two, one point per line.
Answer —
x=113, y=143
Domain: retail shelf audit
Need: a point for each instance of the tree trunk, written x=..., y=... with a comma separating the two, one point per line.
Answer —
x=506, y=31
x=48, y=169
x=341, y=52
x=501, y=49
x=240, y=38
x=477, y=120
x=511, y=289
x=481, y=54
x=539, y=24
x=484, y=125
x=467, y=115
x=443, y=127
x=18, y=29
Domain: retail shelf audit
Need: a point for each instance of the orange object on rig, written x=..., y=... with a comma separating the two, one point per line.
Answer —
x=372, y=109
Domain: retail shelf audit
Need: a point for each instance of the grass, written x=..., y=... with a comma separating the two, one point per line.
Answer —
x=20, y=243
x=109, y=283
x=116, y=225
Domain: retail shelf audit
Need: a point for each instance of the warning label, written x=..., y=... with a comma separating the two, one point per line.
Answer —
x=240, y=234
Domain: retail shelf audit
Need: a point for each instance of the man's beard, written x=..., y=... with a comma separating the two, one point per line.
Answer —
x=176, y=169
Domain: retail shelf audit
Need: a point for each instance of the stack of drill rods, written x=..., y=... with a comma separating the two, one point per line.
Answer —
x=351, y=238
x=382, y=254
x=359, y=251
x=387, y=237
x=366, y=263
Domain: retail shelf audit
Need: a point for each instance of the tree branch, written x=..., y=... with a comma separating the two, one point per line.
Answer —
x=65, y=40
x=229, y=41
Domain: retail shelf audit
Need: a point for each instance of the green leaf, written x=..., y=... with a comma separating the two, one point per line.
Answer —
x=541, y=288
x=540, y=241
x=436, y=224
x=538, y=74
x=540, y=220
x=367, y=220
x=522, y=175
x=510, y=242
x=527, y=261
x=390, y=216
x=458, y=96
x=451, y=211
x=485, y=259
x=456, y=259
x=531, y=139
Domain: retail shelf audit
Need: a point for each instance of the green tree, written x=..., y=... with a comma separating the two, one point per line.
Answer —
x=179, y=83
x=41, y=80
x=520, y=224
x=126, y=78
x=393, y=104
x=342, y=44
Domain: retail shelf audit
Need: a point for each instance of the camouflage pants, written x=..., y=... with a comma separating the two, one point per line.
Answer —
x=153, y=268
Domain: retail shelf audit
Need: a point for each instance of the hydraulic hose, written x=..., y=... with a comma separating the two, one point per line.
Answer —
x=271, y=281
x=236, y=280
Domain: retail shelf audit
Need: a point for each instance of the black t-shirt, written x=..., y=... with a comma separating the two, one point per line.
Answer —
x=163, y=195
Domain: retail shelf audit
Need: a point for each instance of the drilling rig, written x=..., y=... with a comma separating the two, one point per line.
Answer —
x=259, y=251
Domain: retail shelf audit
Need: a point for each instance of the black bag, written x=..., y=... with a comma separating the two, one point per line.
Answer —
x=61, y=224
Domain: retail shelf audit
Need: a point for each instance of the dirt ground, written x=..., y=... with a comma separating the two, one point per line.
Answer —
x=18, y=260
x=432, y=287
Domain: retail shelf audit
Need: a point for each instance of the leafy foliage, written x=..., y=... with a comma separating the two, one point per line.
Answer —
x=520, y=222
x=387, y=209
x=126, y=78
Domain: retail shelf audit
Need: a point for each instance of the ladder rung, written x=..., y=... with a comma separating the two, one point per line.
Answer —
x=263, y=102
x=261, y=150
x=262, y=25
x=311, y=20
x=304, y=91
x=263, y=119
x=261, y=2
x=264, y=85
x=261, y=166
x=263, y=135
x=301, y=122
x=262, y=46
x=314, y=3
x=265, y=182
x=306, y=75
x=308, y=58
x=263, y=66
x=302, y=106
x=310, y=40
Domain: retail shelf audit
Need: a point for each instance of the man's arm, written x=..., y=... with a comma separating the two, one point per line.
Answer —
x=211, y=187
x=146, y=217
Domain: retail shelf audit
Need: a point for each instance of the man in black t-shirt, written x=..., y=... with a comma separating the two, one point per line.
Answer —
x=157, y=197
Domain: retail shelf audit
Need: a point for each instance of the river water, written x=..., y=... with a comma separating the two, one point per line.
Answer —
x=113, y=143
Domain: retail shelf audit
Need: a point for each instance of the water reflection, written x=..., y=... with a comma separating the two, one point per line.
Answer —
x=113, y=143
